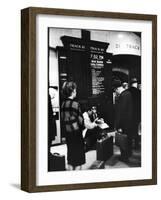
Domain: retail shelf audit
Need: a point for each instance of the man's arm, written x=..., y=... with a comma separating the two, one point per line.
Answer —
x=87, y=122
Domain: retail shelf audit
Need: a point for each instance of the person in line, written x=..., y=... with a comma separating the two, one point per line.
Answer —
x=92, y=129
x=51, y=129
x=123, y=117
x=136, y=100
x=72, y=119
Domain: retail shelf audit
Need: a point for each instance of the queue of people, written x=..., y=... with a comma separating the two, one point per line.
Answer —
x=74, y=121
x=128, y=115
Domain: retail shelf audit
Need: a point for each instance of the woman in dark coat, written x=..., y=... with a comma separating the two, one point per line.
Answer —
x=73, y=124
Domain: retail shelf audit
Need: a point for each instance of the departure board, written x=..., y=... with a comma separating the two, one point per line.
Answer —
x=97, y=73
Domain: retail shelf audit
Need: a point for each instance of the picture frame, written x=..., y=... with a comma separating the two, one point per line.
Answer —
x=30, y=95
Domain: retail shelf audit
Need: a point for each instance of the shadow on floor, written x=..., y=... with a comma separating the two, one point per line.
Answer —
x=114, y=161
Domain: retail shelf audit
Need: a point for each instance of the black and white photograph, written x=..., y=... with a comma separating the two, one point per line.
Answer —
x=89, y=99
x=94, y=99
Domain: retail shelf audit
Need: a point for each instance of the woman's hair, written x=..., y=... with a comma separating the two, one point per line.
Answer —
x=68, y=88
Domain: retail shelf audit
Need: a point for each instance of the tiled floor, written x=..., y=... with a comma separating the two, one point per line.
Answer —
x=113, y=162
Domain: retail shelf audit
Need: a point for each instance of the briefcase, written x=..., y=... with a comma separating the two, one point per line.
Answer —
x=56, y=162
x=104, y=148
x=121, y=141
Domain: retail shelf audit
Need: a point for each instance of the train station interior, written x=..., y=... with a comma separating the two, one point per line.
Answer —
x=93, y=59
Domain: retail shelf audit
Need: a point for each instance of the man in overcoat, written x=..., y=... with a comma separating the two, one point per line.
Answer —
x=136, y=100
x=124, y=117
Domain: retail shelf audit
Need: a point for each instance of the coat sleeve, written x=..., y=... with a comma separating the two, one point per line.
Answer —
x=124, y=119
x=80, y=117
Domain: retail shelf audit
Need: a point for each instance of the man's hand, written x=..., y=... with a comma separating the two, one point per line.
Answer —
x=96, y=120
